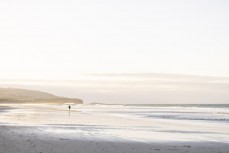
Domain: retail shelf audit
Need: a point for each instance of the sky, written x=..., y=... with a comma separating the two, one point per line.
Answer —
x=60, y=39
x=104, y=45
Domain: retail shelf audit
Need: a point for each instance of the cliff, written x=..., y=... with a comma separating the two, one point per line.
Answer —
x=13, y=95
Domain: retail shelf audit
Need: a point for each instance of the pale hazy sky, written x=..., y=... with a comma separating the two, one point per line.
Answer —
x=133, y=47
x=57, y=39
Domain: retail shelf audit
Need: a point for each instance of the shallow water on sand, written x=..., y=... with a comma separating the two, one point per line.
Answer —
x=129, y=123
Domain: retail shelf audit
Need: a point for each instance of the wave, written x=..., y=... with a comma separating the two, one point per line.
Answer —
x=175, y=112
x=190, y=117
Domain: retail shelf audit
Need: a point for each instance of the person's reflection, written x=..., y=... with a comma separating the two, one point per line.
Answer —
x=69, y=109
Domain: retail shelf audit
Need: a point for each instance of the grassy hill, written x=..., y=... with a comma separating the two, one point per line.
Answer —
x=13, y=95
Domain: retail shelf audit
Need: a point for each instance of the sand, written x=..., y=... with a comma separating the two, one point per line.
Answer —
x=86, y=129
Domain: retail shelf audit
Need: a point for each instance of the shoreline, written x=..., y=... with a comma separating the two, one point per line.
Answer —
x=45, y=128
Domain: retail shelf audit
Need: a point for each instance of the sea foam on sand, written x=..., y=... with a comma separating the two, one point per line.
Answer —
x=112, y=129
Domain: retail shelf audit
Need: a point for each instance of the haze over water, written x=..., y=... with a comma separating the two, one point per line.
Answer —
x=135, y=88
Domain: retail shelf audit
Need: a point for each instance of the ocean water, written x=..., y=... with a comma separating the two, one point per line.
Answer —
x=193, y=112
x=166, y=122
x=145, y=123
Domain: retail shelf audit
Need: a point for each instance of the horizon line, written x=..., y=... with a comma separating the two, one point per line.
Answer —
x=117, y=75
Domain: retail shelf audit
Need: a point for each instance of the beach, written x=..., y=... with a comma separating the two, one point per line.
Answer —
x=48, y=128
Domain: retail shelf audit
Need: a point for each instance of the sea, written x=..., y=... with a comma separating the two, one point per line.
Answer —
x=194, y=112
x=141, y=123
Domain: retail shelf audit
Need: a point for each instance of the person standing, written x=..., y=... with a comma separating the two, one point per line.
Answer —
x=69, y=108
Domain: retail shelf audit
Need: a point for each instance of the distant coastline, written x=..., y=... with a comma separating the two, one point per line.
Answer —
x=15, y=95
